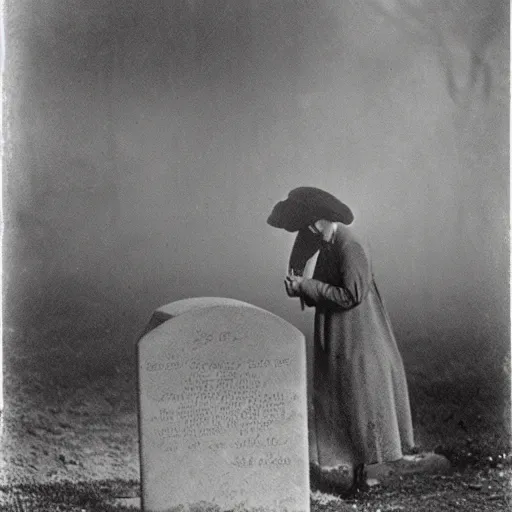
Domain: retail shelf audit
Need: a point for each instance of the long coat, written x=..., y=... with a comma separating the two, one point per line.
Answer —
x=361, y=402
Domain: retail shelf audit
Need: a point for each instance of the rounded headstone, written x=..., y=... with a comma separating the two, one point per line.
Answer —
x=223, y=412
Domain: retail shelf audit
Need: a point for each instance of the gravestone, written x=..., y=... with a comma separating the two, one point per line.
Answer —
x=223, y=411
x=177, y=307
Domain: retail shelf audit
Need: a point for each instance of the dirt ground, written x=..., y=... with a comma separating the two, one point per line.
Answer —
x=60, y=428
x=69, y=421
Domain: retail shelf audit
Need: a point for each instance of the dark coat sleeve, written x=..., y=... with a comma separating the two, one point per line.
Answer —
x=353, y=286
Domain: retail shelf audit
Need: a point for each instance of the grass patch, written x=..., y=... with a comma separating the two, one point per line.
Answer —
x=68, y=496
x=482, y=489
x=460, y=400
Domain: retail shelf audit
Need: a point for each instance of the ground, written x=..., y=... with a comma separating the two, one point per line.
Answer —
x=483, y=490
x=70, y=439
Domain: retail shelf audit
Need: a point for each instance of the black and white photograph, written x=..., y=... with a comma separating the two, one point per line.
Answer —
x=256, y=256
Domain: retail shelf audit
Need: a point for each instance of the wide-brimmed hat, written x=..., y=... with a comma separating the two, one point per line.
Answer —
x=306, y=205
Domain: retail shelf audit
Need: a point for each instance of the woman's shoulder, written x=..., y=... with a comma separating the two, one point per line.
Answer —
x=347, y=234
x=348, y=237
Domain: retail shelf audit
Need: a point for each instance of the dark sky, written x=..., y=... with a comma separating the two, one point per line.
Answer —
x=148, y=141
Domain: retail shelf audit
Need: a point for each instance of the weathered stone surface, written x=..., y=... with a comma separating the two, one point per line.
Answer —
x=421, y=463
x=168, y=311
x=223, y=414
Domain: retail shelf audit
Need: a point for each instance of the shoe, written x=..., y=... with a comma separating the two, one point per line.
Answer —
x=359, y=482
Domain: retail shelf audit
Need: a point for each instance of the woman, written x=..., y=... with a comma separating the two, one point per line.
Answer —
x=362, y=413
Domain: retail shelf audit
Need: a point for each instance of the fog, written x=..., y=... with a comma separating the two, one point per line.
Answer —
x=147, y=141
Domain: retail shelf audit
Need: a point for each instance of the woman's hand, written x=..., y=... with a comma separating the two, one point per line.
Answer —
x=292, y=284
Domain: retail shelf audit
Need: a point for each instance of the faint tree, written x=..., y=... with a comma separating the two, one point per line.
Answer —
x=459, y=30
